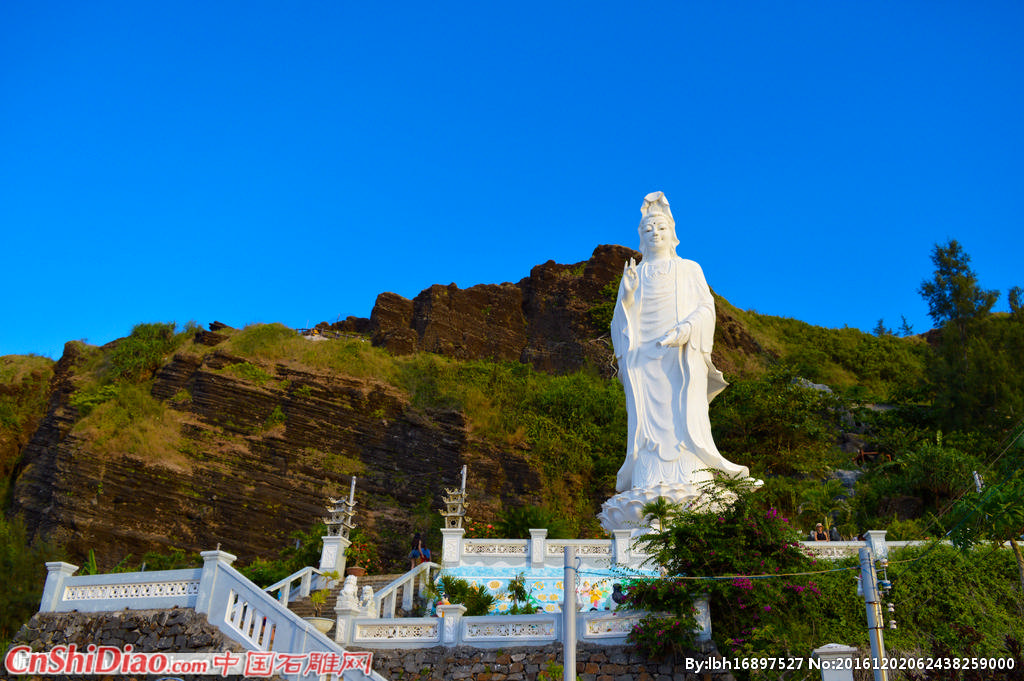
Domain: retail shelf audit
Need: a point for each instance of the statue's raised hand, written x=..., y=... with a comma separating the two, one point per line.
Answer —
x=630, y=278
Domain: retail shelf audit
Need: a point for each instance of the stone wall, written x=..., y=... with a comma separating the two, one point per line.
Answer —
x=148, y=631
x=184, y=630
x=593, y=663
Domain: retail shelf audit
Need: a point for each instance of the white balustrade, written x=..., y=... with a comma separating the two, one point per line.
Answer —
x=159, y=589
x=413, y=583
x=539, y=551
x=233, y=604
x=309, y=578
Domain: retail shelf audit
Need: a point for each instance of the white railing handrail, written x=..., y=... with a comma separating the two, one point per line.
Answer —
x=310, y=579
x=491, y=631
x=834, y=549
x=231, y=602
x=155, y=590
x=384, y=600
x=253, y=617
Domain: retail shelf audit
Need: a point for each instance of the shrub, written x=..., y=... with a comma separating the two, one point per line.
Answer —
x=24, y=573
x=516, y=523
x=747, y=558
x=363, y=552
x=132, y=421
x=477, y=599
x=140, y=354
x=249, y=372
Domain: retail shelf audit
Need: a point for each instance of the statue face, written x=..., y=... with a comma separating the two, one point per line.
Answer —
x=656, y=234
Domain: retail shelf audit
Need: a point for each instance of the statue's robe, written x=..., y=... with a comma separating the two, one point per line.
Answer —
x=668, y=389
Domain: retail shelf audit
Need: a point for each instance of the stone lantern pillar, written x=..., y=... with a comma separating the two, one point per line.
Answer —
x=454, y=514
x=339, y=526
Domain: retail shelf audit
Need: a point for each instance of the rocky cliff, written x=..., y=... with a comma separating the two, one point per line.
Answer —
x=252, y=461
x=556, y=319
x=240, y=447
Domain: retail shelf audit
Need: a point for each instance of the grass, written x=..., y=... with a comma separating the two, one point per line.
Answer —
x=26, y=381
x=249, y=372
x=879, y=367
x=133, y=422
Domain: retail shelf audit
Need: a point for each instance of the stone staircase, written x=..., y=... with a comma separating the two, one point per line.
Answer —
x=303, y=608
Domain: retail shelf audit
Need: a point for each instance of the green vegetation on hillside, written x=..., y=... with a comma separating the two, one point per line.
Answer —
x=767, y=598
x=24, y=380
x=23, y=568
x=930, y=412
x=574, y=423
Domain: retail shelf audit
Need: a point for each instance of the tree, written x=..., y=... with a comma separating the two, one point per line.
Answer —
x=906, y=328
x=881, y=329
x=995, y=514
x=1016, y=306
x=953, y=294
x=661, y=510
x=971, y=370
x=822, y=503
x=747, y=559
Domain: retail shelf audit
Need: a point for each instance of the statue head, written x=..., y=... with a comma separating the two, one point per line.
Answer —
x=656, y=225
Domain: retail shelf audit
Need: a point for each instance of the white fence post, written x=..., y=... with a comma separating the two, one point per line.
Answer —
x=451, y=546
x=621, y=547
x=451, y=616
x=212, y=560
x=877, y=544
x=57, y=573
x=332, y=556
x=538, y=548
x=834, y=664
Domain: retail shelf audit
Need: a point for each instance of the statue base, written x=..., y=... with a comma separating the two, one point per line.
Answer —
x=624, y=511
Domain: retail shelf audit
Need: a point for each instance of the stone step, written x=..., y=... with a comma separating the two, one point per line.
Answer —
x=303, y=608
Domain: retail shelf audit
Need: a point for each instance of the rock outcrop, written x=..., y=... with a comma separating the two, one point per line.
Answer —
x=556, y=319
x=545, y=320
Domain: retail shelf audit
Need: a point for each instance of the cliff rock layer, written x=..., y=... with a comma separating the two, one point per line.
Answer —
x=221, y=447
x=556, y=319
x=252, y=455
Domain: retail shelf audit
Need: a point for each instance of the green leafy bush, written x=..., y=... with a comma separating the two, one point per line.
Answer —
x=92, y=396
x=363, y=552
x=303, y=549
x=777, y=425
x=25, y=386
x=747, y=558
x=249, y=372
x=477, y=599
x=973, y=594
x=22, y=565
x=516, y=523
x=140, y=354
x=523, y=601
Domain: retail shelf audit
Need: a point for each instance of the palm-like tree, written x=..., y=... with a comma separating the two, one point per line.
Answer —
x=661, y=510
x=821, y=503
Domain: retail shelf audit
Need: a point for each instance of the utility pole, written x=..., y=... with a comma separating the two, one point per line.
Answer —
x=569, y=615
x=869, y=585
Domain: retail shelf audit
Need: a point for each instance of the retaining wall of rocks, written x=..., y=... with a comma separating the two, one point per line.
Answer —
x=147, y=631
x=593, y=663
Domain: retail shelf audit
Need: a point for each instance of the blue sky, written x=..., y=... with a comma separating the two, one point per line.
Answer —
x=267, y=161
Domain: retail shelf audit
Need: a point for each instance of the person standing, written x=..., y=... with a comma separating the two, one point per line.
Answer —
x=419, y=553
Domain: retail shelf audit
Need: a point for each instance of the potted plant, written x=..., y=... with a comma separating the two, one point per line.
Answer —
x=318, y=599
x=362, y=555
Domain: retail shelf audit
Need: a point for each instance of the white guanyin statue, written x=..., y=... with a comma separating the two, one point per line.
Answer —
x=662, y=332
